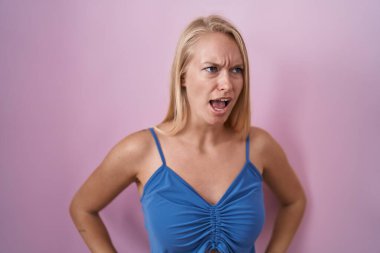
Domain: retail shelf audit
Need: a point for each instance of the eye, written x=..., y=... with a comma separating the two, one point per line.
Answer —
x=211, y=69
x=237, y=70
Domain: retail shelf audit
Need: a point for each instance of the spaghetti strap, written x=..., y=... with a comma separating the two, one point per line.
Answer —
x=158, y=145
x=247, y=148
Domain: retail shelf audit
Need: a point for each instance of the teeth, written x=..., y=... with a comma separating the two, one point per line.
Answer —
x=223, y=99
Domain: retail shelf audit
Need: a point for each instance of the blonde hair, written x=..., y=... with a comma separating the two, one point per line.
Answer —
x=178, y=112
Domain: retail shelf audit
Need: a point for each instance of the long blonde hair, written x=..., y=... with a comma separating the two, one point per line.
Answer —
x=178, y=112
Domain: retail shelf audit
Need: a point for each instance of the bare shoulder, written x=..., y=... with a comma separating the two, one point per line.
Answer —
x=266, y=148
x=116, y=172
x=264, y=140
x=278, y=173
x=261, y=141
x=133, y=149
x=260, y=135
x=135, y=142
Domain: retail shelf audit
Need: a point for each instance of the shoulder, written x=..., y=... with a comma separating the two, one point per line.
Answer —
x=260, y=137
x=278, y=173
x=266, y=146
x=132, y=150
x=135, y=142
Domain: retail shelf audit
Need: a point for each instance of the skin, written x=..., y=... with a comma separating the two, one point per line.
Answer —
x=215, y=70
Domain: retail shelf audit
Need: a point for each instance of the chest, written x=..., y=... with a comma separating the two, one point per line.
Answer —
x=209, y=173
x=209, y=176
x=175, y=214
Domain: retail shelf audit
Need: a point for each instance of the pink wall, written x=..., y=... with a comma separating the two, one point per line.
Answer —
x=77, y=76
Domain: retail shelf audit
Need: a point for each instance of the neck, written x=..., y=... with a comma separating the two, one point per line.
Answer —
x=202, y=137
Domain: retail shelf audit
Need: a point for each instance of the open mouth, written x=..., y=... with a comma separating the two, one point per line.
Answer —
x=219, y=104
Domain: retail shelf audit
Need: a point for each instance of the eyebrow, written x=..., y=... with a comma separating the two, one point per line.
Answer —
x=216, y=64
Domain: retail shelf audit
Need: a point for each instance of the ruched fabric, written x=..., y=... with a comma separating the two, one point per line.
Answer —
x=178, y=219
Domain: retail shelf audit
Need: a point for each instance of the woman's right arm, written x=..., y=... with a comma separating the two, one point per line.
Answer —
x=116, y=172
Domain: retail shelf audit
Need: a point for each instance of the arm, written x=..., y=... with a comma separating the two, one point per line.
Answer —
x=116, y=172
x=281, y=179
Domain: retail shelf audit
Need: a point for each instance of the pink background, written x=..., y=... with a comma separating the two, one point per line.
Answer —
x=77, y=76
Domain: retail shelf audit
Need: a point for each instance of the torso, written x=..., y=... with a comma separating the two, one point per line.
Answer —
x=210, y=172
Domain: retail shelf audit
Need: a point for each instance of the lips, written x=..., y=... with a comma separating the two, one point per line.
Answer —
x=220, y=106
x=226, y=100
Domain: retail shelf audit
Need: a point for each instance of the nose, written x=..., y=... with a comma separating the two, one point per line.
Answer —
x=224, y=82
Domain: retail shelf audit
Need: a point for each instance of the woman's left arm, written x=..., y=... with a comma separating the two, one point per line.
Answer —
x=282, y=180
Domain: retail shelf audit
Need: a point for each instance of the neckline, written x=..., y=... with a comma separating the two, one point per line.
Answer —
x=189, y=186
x=229, y=188
x=224, y=195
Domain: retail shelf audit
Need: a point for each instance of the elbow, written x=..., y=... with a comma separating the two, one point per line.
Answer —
x=299, y=203
x=303, y=204
x=73, y=208
x=77, y=209
x=77, y=213
x=303, y=200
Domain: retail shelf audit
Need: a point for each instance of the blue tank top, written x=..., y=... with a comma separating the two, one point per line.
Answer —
x=178, y=219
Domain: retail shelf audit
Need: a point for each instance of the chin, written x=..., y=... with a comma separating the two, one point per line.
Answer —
x=217, y=120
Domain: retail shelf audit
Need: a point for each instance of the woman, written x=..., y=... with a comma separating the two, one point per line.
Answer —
x=199, y=172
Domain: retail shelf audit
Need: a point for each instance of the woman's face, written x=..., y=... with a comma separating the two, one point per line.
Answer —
x=214, y=77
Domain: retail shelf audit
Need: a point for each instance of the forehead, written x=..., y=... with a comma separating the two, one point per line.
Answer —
x=217, y=47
